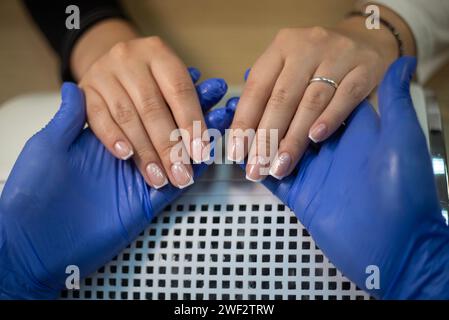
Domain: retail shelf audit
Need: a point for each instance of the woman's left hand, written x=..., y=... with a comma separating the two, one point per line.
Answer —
x=279, y=95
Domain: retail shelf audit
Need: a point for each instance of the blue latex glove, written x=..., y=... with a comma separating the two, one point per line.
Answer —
x=70, y=202
x=368, y=197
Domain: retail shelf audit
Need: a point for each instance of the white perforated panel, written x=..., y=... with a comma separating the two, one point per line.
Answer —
x=230, y=239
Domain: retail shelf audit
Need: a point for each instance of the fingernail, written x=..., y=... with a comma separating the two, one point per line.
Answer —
x=236, y=149
x=123, y=150
x=255, y=167
x=206, y=153
x=181, y=175
x=156, y=176
x=200, y=151
x=318, y=133
x=280, y=166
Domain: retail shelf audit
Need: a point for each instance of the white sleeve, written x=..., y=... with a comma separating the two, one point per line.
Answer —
x=429, y=22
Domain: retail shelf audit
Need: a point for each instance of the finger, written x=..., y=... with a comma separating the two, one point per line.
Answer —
x=252, y=103
x=219, y=119
x=355, y=87
x=104, y=126
x=126, y=117
x=157, y=120
x=315, y=99
x=180, y=94
x=68, y=122
x=210, y=92
x=279, y=111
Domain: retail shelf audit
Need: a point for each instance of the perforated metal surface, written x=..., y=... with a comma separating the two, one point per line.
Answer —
x=226, y=240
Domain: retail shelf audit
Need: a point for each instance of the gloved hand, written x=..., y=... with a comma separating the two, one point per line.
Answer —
x=68, y=201
x=368, y=198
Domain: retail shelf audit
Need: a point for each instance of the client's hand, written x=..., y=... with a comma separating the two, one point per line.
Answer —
x=68, y=201
x=368, y=198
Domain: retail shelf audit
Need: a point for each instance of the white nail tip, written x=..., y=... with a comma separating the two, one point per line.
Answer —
x=191, y=181
x=311, y=138
x=237, y=160
x=197, y=150
x=204, y=160
x=253, y=180
x=162, y=185
x=129, y=155
x=274, y=175
x=236, y=150
x=229, y=157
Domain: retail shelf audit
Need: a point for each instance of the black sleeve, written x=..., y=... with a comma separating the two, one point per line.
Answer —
x=50, y=16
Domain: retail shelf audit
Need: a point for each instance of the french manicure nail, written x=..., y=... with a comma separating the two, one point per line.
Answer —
x=255, y=168
x=181, y=175
x=280, y=165
x=156, y=176
x=197, y=150
x=123, y=150
x=236, y=149
x=206, y=152
x=318, y=133
x=200, y=151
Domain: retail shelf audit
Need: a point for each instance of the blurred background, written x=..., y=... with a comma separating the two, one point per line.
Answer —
x=222, y=38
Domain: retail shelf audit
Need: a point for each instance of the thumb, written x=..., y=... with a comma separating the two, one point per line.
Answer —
x=68, y=122
x=395, y=102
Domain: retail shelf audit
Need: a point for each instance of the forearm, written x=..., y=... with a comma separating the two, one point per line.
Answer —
x=50, y=16
x=382, y=38
x=428, y=23
x=401, y=26
x=97, y=41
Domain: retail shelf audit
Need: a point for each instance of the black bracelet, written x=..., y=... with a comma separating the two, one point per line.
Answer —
x=388, y=25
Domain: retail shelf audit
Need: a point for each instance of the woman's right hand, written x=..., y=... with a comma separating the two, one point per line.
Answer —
x=137, y=94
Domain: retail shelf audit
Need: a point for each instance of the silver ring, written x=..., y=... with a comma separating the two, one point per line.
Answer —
x=325, y=80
